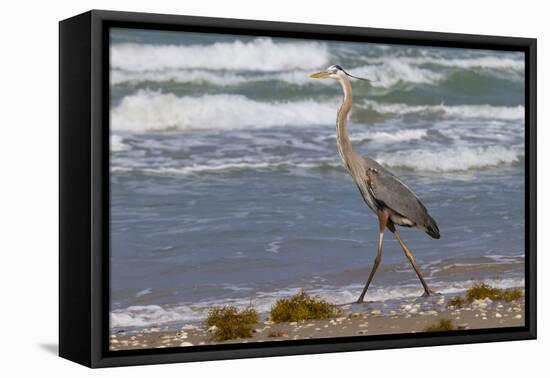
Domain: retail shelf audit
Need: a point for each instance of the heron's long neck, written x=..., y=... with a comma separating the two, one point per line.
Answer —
x=344, y=144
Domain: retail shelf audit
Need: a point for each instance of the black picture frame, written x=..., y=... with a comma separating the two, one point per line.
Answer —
x=84, y=187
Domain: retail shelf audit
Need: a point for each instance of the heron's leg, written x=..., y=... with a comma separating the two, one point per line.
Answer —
x=408, y=253
x=382, y=220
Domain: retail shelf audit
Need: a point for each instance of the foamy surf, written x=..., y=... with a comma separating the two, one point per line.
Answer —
x=394, y=71
x=260, y=54
x=197, y=168
x=194, y=64
x=459, y=112
x=480, y=62
x=448, y=160
x=117, y=144
x=389, y=137
x=156, y=315
x=386, y=76
x=148, y=110
x=181, y=76
x=228, y=165
x=452, y=159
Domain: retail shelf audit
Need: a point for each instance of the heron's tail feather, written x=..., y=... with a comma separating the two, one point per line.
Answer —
x=432, y=229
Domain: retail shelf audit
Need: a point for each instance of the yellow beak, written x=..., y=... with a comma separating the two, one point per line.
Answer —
x=320, y=75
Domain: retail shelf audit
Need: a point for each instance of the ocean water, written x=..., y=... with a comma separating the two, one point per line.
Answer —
x=226, y=185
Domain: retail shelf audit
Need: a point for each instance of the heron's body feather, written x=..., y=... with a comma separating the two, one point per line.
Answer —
x=380, y=188
x=390, y=193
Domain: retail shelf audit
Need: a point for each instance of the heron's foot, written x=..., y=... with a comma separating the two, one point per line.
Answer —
x=430, y=292
x=360, y=300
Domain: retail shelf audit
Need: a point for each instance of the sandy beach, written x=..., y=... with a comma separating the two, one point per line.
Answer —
x=410, y=316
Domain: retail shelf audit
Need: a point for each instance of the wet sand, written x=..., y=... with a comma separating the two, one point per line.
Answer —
x=410, y=316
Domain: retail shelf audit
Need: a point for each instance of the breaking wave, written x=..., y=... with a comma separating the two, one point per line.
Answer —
x=485, y=112
x=488, y=62
x=447, y=160
x=389, y=137
x=148, y=110
x=262, y=59
x=452, y=159
x=260, y=54
x=117, y=143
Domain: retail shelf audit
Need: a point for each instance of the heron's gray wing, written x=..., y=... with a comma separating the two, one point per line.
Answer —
x=392, y=193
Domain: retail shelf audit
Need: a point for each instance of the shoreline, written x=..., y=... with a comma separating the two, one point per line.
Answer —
x=411, y=316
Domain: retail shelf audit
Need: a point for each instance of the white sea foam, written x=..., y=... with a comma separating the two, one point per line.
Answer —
x=495, y=260
x=350, y=293
x=224, y=165
x=395, y=71
x=154, y=315
x=195, y=168
x=483, y=112
x=214, y=77
x=501, y=259
x=117, y=143
x=383, y=72
x=141, y=316
x=179, y=76
x=387, y=72
x=487, y=62
x=260, y=54
x=390, y=137
x=274, y=246
x=452, y=159
x=147, y=110
x=479, y=62
x=383, y=76
x=144, y=292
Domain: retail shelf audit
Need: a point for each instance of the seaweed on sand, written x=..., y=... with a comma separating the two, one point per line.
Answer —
x=302, y=307
x=483, y=291
x=227, y=322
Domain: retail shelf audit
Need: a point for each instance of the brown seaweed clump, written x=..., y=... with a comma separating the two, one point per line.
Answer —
x=483, y=291
x=228, y=323
x=302, y=307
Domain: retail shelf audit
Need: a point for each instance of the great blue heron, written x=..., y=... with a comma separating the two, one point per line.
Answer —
x=391, y=200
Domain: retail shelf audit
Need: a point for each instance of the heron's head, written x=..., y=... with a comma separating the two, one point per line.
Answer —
x=334, y=72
